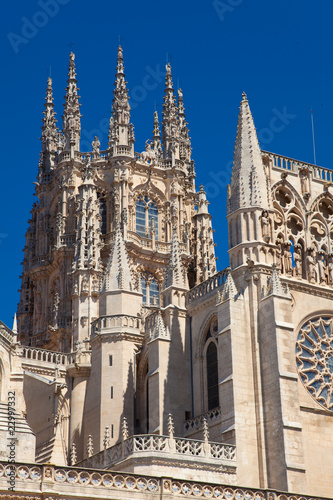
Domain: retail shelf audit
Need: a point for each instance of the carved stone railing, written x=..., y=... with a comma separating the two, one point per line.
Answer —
x=83, y=483
x=196, y=423
x=39, y=261
x=67, y=240
x=114, y=322
x=164, y=446
x=211, y=284
x=39, y=338
x=79, y=357
x=6, y=333
x=44, y=355
x=290, y=164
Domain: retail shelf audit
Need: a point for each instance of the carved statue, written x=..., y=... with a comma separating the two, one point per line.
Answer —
x=278, y=254
x=56, y=309
x=96, y=145
x=287, y=259
x=330, y=268
x=305, y=181
x=321, y=267
x=265, y=226
x=310, y=266
x=84, y=285
x=298, y=261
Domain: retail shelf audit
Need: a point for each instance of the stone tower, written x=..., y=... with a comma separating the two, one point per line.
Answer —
x=83, y=198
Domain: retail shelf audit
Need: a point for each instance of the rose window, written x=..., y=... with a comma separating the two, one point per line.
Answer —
x=314, y=357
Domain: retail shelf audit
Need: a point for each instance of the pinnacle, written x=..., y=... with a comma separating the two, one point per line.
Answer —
x=229, y=290
x=174, y=275
x=275, y=286
x=71, y=116
x=118, y=274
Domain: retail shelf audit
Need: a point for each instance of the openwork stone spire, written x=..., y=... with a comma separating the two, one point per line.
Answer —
x=174, y=275
x=170, y=128
x=184, y=139
x=157, y=147
x=248, y=183
x=121, y=132
x=118, y=274
x=71, y=117
x=49, y=129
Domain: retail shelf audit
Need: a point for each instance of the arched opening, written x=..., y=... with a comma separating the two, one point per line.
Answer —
x=212, y=376
x=146, y=218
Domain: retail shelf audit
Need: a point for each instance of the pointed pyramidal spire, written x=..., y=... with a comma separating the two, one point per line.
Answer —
x=118, y=274
x=275, y=286
x=121, y=132
x=159, y=329
x=157, y=147
x=170, y=128
x=249, y=185
x=14, y=329
x=49, y=129
x=229, y=290
x=71, y=117
x=184, y=139
x=174, y=274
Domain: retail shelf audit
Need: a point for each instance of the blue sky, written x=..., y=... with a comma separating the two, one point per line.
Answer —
x=278, y=52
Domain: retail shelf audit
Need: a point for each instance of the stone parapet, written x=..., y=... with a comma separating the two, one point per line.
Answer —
x=37, y=482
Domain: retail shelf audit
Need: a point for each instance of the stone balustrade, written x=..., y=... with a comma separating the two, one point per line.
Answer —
x=196, y=423
x=39, y=261
x=212, y=284
x=292, y=165
x=44, y=355
x=167, y=447
x=67, y=240
x=6, y=334
x=114, y=322
x=32, y=481
x=79, y=357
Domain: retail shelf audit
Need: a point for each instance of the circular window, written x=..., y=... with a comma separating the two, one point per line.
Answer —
x=314, y=357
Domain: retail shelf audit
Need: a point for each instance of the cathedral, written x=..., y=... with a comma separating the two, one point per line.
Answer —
x=134, y=368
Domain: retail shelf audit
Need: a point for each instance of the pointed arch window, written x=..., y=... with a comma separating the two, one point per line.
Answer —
x=146, y=217
x=212, y=376
x=150, y=291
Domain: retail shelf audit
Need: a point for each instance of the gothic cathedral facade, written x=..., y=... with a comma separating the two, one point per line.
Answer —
x=132, y=353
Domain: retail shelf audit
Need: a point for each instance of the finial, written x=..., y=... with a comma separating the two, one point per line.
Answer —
x=14, y=329
x=205, y=430
x=244, y=96
x=90, y=446
x=171, y=427
x=106, y=440
x=124, y=429
x=73, y=455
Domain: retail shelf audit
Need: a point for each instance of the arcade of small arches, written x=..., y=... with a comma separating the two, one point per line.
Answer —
x=297, y=239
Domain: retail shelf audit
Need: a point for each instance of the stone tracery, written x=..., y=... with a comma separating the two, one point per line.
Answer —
x=314, y=357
